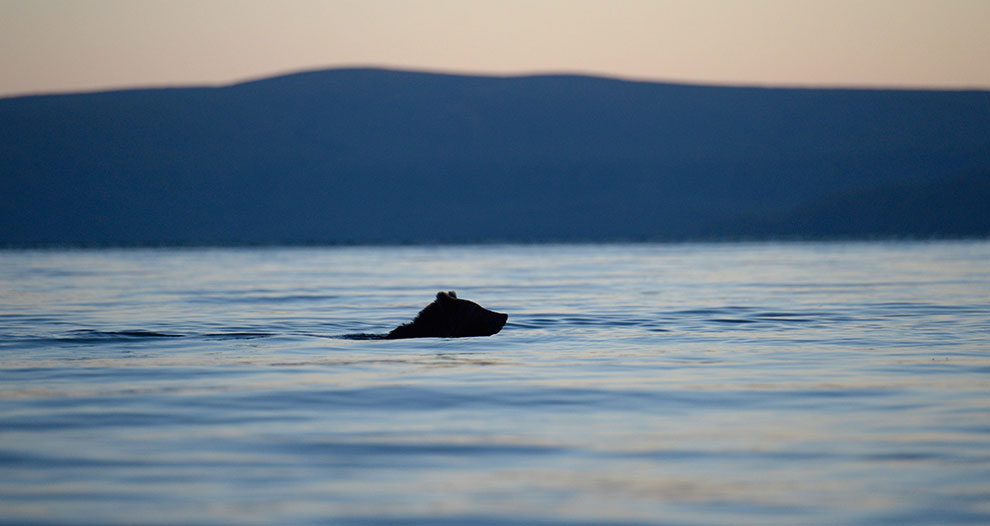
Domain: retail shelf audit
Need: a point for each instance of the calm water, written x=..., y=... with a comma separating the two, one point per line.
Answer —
x=840, y=384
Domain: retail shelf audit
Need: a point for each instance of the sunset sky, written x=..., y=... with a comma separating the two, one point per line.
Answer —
x=70, y=45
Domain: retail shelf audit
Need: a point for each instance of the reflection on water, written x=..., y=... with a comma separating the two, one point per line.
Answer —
x=640, y=384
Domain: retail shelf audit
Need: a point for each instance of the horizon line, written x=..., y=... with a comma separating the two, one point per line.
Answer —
x=497, y=75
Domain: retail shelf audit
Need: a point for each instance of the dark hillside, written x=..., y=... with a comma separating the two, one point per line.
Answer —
x=385, y=156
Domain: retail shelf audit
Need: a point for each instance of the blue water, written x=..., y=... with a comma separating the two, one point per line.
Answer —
x=832, y=383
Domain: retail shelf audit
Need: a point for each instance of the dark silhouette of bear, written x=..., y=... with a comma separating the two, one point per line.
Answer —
x=449, y=317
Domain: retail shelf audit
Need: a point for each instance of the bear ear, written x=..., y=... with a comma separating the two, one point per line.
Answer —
x=452, y=294
x=442, y=295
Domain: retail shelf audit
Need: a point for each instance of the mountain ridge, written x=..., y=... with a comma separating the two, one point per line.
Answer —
x=453, y=74
x=361, y=155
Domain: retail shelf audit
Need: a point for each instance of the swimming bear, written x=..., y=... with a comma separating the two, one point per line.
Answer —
x=449, y=317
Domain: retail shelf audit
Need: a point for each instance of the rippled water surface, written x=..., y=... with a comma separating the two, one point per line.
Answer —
x=835, y=383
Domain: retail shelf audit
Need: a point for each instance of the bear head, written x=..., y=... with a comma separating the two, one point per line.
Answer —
x=451, y=317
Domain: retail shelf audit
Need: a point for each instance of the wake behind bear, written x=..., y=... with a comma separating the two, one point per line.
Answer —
x=450, y=317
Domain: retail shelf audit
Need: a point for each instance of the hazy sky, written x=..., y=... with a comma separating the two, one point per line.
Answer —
x=64, y=45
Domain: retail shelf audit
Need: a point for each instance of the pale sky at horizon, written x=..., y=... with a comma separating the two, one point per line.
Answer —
x=71, y=45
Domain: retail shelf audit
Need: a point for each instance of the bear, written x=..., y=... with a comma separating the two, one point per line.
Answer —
x=450, y=317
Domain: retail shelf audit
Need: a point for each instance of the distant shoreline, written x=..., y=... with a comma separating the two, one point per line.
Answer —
x=364, y=156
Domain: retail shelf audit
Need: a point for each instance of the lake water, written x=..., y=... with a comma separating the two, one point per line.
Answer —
x=793, y=383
